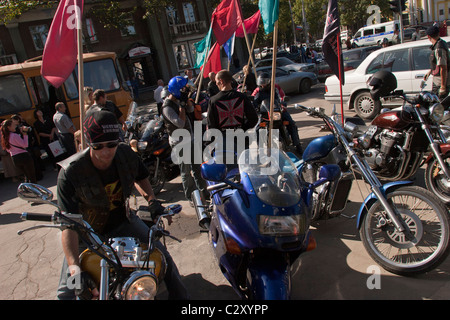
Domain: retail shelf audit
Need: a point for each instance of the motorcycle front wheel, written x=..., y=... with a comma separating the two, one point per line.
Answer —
x=435, y=179
x=427, y=219
x=157, y=181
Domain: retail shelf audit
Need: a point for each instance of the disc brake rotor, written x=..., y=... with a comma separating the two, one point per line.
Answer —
x=416, y=229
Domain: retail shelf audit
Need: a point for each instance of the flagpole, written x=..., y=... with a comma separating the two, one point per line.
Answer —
x=81, y=79
x=272, y=83
x=248, y=44
x=340, y=74
x=249, y=60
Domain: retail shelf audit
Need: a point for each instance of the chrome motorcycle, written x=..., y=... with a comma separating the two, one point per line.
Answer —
x=404, y=228
x=399, y=141
x=122, y=268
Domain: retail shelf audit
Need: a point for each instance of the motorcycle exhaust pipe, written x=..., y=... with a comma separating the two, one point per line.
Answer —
x=202, y=215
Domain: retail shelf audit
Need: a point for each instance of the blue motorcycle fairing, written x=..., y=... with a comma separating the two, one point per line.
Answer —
x=270, y=279
x=319, y=148
x=241, y=224
x=371, y=198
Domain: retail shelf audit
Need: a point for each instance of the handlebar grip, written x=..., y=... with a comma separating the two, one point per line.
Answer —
x=37, y=216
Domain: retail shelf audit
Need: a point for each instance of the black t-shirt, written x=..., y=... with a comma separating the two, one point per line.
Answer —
x=70, y=202
x=44, y=127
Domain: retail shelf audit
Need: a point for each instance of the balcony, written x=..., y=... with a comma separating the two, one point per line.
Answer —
x=186, y=29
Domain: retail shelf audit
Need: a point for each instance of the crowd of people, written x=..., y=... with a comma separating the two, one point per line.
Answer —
x=96, y=181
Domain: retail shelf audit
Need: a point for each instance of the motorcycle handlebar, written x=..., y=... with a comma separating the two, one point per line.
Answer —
x=37, y=216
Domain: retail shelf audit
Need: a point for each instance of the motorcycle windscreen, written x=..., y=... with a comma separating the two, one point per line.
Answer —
x=151, y=127
x=274, y=178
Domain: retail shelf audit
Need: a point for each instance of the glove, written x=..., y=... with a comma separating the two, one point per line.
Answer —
x=155, y=208
x=87, y=285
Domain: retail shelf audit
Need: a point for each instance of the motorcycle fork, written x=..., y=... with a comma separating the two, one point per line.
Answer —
x=433, y=145
x=376, y=185
x=104, y=280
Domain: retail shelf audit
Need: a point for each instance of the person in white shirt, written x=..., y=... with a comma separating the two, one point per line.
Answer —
x=157, y=95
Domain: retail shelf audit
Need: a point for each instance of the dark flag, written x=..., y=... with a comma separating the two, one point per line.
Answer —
x=331, y=46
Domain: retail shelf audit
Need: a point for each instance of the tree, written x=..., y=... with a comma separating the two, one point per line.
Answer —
x=109, y=12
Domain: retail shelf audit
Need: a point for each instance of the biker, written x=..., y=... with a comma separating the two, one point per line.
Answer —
x=262, y=92
x=175, y=111
x=96, y=183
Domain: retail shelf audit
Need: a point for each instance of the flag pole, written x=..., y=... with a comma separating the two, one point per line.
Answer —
x=341, y=72
x=81, y=79
x=249, y=60
x=272, y=83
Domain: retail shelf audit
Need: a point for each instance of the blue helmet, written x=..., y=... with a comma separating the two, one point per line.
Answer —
x=176, y=84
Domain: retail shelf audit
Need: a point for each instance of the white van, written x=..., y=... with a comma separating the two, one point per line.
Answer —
x=374, y=34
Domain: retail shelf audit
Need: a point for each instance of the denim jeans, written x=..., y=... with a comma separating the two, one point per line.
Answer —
x=138, y=229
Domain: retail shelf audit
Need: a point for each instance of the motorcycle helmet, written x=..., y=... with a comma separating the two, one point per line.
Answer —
x=263, y=79
x=165, y=92
x=176, y=84
x=383, y=83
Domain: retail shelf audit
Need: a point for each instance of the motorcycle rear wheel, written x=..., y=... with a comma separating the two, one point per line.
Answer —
x=436, y=181
x=428, y=220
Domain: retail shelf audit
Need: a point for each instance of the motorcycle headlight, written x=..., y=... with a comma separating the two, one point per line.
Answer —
x=140, y=286
x=142, y=145
x=276, y=116
x=282, y=225
x=437, y=112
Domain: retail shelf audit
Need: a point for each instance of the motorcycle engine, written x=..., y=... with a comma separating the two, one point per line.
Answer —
x=384, y=157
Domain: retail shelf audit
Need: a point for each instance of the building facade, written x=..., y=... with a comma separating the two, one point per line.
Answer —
x=158, y=47
x=427, y=11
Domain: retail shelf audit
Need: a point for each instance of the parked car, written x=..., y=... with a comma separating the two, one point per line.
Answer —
x=296, y=57
x=288, y=64
x=409, y=62
x=352, y=59
x=290, y=81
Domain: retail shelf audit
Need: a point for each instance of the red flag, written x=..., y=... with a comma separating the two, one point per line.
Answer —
x=213, y=64
x=251, y=25
x=226, y=18
x=60, y=51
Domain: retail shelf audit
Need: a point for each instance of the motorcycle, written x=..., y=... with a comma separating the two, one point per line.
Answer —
x=258, y=219
x=404, y=228
x=400, y=141
x=122, y=268
x=155, y=151
x=278, y=123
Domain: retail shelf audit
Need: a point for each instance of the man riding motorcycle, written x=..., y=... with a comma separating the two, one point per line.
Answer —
x=262, y=92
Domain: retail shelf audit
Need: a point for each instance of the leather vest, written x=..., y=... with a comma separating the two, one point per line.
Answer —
x=440, y=44
x=169, y=125
x=94, y=204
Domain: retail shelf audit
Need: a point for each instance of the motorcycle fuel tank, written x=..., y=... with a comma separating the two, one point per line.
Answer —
x=319, y=148
x=393, y=120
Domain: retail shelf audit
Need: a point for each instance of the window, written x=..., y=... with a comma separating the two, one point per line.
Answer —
x=376, y=64
x=172, y=15
x=380, y=30
x=181, y=56
x=188, y=10
x=39, y=35
x=368, y=32
x=129, y=29
x=421, y=57
x=358, y=34
x=99, y=74
x=14, y=95
x=396, y=61
x=91, y=31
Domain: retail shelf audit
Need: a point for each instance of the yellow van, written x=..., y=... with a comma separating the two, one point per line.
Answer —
x=23, y=89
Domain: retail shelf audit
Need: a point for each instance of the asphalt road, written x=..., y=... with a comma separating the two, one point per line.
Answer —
x=338, y=269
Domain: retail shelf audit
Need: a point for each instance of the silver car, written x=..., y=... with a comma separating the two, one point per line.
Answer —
x=292, y=81
x=288, y=64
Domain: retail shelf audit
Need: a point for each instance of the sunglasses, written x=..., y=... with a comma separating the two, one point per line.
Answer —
x=100, y=146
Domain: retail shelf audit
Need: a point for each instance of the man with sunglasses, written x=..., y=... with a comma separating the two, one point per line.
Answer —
x=97, y=183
